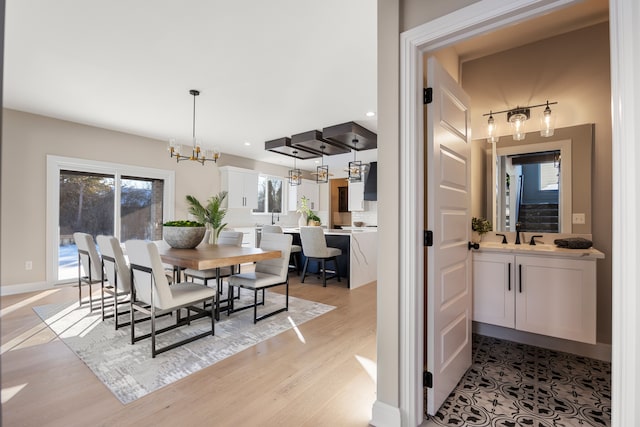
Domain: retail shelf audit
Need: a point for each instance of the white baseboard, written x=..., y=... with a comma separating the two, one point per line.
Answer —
x=28, y=287
x=599, y=351
x=385, y=415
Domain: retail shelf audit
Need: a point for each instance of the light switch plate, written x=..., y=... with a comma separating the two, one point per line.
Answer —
x=578, y=218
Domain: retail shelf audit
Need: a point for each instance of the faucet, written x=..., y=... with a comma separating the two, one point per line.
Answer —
x=517, y=233
x=533, y=240
x=273, y=221
x=504, y=238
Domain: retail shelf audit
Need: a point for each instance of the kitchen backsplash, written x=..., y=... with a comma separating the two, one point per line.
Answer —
x=369, y=215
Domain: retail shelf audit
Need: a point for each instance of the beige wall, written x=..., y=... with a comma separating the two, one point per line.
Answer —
x=417, y=12
x=26, y=141
x=572, y=69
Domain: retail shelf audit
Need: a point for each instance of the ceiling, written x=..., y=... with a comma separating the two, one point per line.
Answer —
x=265, y=70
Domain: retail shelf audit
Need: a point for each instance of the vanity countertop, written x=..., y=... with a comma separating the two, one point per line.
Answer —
x=540, y=249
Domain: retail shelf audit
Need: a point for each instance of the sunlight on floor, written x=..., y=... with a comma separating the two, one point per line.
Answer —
x=28, y=339
x=26, y=302
x=369, y=366
x=7, y=393
x=295, y=328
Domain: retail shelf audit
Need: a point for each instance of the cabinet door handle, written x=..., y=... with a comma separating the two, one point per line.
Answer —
x=509, y=279
x=520, y=274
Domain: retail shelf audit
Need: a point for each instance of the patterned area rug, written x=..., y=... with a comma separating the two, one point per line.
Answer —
x=511, y=384
x=130, y=372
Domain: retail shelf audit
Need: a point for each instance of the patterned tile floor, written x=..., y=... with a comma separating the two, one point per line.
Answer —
x=511, y=384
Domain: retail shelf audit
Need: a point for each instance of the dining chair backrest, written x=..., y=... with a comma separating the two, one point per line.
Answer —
x=146, y=254
x=276, y=266
x=233, y=238
x=313, y=241
x=120, y=275
x=85, y=242
x=272, y=229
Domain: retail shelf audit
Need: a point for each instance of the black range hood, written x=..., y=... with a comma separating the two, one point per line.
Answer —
x=371, y=182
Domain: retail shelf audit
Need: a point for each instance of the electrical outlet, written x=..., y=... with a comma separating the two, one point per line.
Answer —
x=28, y=265
x=578, y=218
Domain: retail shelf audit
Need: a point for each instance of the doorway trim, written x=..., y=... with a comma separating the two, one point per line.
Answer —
x=473, y=20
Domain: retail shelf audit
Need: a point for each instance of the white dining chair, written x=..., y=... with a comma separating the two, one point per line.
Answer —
x=152, y=295
x=267, y=274
x=296, y=250
x=89, y=265
x=115, y=270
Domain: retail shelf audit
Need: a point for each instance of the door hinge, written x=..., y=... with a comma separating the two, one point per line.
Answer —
x=427, y=95
x=428, y=238
x=427, y=379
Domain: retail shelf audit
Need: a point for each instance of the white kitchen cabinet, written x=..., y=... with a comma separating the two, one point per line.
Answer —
x=356, y=196
x=242, y=185
x=307, y=188
x=540, y=294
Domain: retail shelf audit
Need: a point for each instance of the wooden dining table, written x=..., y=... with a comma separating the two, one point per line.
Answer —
x=205, y=257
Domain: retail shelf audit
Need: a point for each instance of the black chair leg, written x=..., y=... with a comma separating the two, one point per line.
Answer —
x=335, y=262
x=304, y=269
x=324, y=273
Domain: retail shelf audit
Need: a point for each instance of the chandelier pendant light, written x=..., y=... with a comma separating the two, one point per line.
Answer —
x=295, y=174
x=181, y=152
x=517, y=118
x=322, y=171
x=355, y=167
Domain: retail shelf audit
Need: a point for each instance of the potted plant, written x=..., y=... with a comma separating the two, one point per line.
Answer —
x=211, y=215
x=310, y=217
x=481, y=226
x=182, y=234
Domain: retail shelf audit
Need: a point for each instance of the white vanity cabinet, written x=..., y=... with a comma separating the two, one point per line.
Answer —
x=356, y=196
x=242, y=186
x=546, y=295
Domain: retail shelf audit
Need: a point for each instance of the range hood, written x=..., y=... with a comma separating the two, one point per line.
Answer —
x=371, y=182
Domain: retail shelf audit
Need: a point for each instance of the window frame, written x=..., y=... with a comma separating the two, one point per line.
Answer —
x=55, y=164
x=283, y=200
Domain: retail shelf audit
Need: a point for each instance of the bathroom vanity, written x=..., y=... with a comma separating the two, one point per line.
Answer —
x=540, y=289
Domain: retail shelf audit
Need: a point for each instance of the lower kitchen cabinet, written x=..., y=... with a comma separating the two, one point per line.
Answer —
x=540, y=294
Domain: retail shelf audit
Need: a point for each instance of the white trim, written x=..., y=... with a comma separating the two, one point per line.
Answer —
x=599, y=351
x=57, y=163
x=473, y=20
x=624, y=16
x=565, y=208
x=385, y=415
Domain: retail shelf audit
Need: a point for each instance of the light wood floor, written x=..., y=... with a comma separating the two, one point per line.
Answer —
x=279, y=382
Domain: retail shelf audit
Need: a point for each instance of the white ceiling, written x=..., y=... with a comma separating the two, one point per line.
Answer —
x=265, y=69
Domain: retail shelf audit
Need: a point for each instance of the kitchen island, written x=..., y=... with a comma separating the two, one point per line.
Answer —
x=358, y=263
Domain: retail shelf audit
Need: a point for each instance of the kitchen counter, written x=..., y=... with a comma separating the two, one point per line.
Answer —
x=540, y=249
x=359, y=260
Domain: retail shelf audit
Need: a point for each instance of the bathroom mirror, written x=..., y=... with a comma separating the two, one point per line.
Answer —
x=542, y=182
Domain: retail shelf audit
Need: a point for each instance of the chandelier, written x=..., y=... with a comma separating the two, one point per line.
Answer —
x=355, y=167
x=322, y=171
x=181, y=152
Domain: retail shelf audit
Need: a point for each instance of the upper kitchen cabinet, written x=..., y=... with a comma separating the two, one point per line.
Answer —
x=356, y=196
x=308, y=189
x=242, y=186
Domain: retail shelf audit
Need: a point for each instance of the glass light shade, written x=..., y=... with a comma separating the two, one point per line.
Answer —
x=322, y=174
x=492, y=130
x=355, y=171
x=295, y=177
x=547, y=123
x=517, y=129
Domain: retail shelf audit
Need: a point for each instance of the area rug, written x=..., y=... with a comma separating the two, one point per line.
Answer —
x=130, y=372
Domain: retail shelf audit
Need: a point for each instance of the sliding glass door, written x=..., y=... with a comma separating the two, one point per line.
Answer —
x=101, y=198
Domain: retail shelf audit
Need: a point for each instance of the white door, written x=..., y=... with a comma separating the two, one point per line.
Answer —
x=449, y=260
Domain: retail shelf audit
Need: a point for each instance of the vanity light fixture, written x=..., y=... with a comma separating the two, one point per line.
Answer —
x=517, y=118
x=181, y=152
x=295, y=174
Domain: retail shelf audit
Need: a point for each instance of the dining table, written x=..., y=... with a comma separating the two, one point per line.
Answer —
x=207, y=256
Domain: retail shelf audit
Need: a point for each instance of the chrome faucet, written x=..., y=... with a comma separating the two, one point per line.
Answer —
x=517, y=233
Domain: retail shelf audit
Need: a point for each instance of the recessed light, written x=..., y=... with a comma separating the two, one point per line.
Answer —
x=317, y=162
x=370, y=114
x=247, y=144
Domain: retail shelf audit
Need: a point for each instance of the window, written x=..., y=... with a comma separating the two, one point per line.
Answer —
x=549, y=173
x=101, y=198
x=269, y=194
